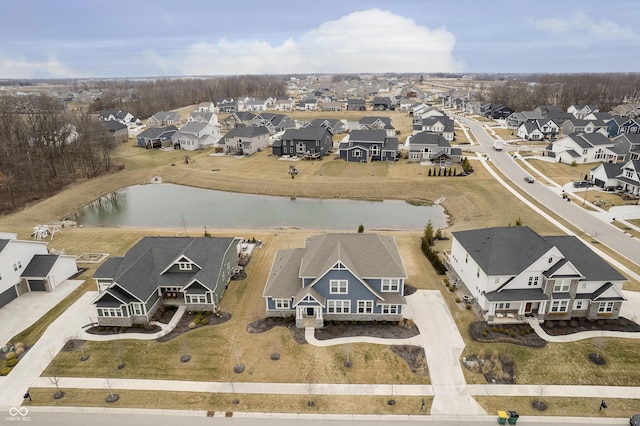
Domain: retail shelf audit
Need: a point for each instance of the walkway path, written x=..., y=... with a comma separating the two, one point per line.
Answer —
x=309, y=335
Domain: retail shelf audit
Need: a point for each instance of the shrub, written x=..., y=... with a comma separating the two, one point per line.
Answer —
x=206, y=313
x=192, y=325
x=446, y=281
x=19, y=350
x=457, y=300
x=494, y=329
x=468, y=307
x=12, y=362
x=451, y=289
x=197, y=320
x=11, y=355
x=485, y=333
x=5, y=371
x=204, y=321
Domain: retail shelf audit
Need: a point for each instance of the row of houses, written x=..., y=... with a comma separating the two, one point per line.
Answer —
x=513, y=274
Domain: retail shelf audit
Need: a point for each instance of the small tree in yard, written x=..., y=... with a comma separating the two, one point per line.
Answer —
x=53, y=370
x=360, y=229
x=428, y=233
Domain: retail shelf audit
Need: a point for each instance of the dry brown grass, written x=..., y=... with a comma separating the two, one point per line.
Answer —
x=222, y=402
x=558, y=406
x=506, y=134
x=562, y=173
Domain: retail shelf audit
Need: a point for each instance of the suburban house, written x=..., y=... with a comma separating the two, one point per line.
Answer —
x=285, y=105
x=581, y=111
x=238, y=119
x=426, y=146
x=582, y=148
x=340, y=277
x=364, y=146
x=442, y=125
x=358, y=104
x=254, y=105
x=314, y=142
x=538, y=130
x=496, y=111
x=332, y=106
x=205, y=107
x=156, y=271
x=577, y=125
x=382, y=103
x=378, y=123
x=226, y=106
x=195, y=135
x=627, y=110
x=156, y=137
x=275, y=123
x=513, y=273
x=333, y=125
x=629, y=178
x=627, y=146
x=308, y=104
x=622, y=126
x=165, y=118
x=122, y=117
x=203, y=117
x=27, y=266
x=605, y=175
x=245, y=140
x=118, y=131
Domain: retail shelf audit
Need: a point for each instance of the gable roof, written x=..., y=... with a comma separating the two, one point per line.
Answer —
x=428, y=138
x=247, y=132
x=368, y=135
x=155, y=132
x=371, y=120
x=590, y=265
x=305, y=133
x=40, y=266
x=140, y=270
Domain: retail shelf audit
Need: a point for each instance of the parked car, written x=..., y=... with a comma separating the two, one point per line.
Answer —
x=582, y=184
x=529, y=179
x=635, y=420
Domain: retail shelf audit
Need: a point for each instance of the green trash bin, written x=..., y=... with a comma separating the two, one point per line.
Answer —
x=513, y=417
x=502, y=417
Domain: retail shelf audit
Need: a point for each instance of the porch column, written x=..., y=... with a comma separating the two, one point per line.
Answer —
x=492, y=309
x=521, y=308
x=542, y=308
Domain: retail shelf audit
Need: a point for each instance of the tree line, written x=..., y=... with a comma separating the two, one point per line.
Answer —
x=524, y=93
x=145, y=98
x=43, y=148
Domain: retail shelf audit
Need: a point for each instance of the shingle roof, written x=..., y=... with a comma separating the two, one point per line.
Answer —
x=367, y=135
x=247, y=132
x=154, y=132
x=40, y=266
x=428, y=138
x=305, y=133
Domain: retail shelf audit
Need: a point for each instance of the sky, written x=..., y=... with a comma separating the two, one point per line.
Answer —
x=144, y=38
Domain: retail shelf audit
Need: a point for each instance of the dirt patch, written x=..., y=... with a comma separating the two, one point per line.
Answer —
x=496, y=369
x=414, y=356
x=519, y=334
x=266, y=324
x=386, y=330
x=189, y=317
x=560, y=328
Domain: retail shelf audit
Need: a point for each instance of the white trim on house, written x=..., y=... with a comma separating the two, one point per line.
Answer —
x=338, y=286
x=338, y=306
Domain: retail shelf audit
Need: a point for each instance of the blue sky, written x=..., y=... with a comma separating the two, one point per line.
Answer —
x=86, y=38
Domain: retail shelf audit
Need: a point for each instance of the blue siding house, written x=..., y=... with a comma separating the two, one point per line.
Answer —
x=369, y=145
x=337, y=277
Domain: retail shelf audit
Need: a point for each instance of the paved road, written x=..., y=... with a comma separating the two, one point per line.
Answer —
x=606, y=233
x=123, y=417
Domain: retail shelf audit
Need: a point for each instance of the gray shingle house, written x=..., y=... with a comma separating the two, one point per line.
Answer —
x=314, y=141
x=364, y=146
x=156, y=137
x=190, y=271
x=427, y=146
x=513, y=273
x=337, y=277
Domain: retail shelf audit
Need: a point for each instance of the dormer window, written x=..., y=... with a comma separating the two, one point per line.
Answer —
x=185, y=266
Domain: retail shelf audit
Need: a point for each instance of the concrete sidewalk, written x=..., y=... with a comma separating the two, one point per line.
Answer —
x=309, y=335
x=574, y=337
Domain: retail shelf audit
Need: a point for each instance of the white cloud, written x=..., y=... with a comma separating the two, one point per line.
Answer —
x=582, y=26
x=21, y=67
x=366, y=41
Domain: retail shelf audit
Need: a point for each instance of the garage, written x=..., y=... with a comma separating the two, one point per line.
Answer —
x=7, y=296
x=599, y=183
x=37, y=285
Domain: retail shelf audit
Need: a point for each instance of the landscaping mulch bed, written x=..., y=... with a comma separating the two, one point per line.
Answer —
x=409, y=290
x=266, y=324
x=496, y=369
x=414, y=356
x=389, y=330
x=519, y=334
x=560, y=328
x=183, y=324
x=105, y=331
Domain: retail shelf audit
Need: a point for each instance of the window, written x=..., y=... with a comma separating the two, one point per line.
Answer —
x=391, y=284
x=184, y=266
x=533, y=281
x=282, y=303
x=19, y=265
x=466, y=258
x=559, y=305
x=338, y=287
x=365, y=306
x=338, y=306
x=605, y=307
x=15, y=267
x=197, y=298
x=357, y=153
x=375, y=150
x=579, y=304
x=561, y=286
x=284, y=149
x=109, y=312
x=389, y=309
x=136, y=309
x=503, y=305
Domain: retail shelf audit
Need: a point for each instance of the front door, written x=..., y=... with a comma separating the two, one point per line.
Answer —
x=527, y=308
x=311, y=312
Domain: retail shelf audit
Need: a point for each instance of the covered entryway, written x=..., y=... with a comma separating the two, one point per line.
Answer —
x=37, y=285
x=309, y=316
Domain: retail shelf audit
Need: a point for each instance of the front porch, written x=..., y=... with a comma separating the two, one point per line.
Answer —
x=309, y=317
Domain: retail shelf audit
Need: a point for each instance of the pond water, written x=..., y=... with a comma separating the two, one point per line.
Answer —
x=176, y=206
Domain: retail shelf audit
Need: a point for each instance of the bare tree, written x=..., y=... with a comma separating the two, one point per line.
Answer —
x=54, y=378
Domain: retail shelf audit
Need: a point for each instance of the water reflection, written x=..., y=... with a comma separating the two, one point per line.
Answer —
x=175, y=206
